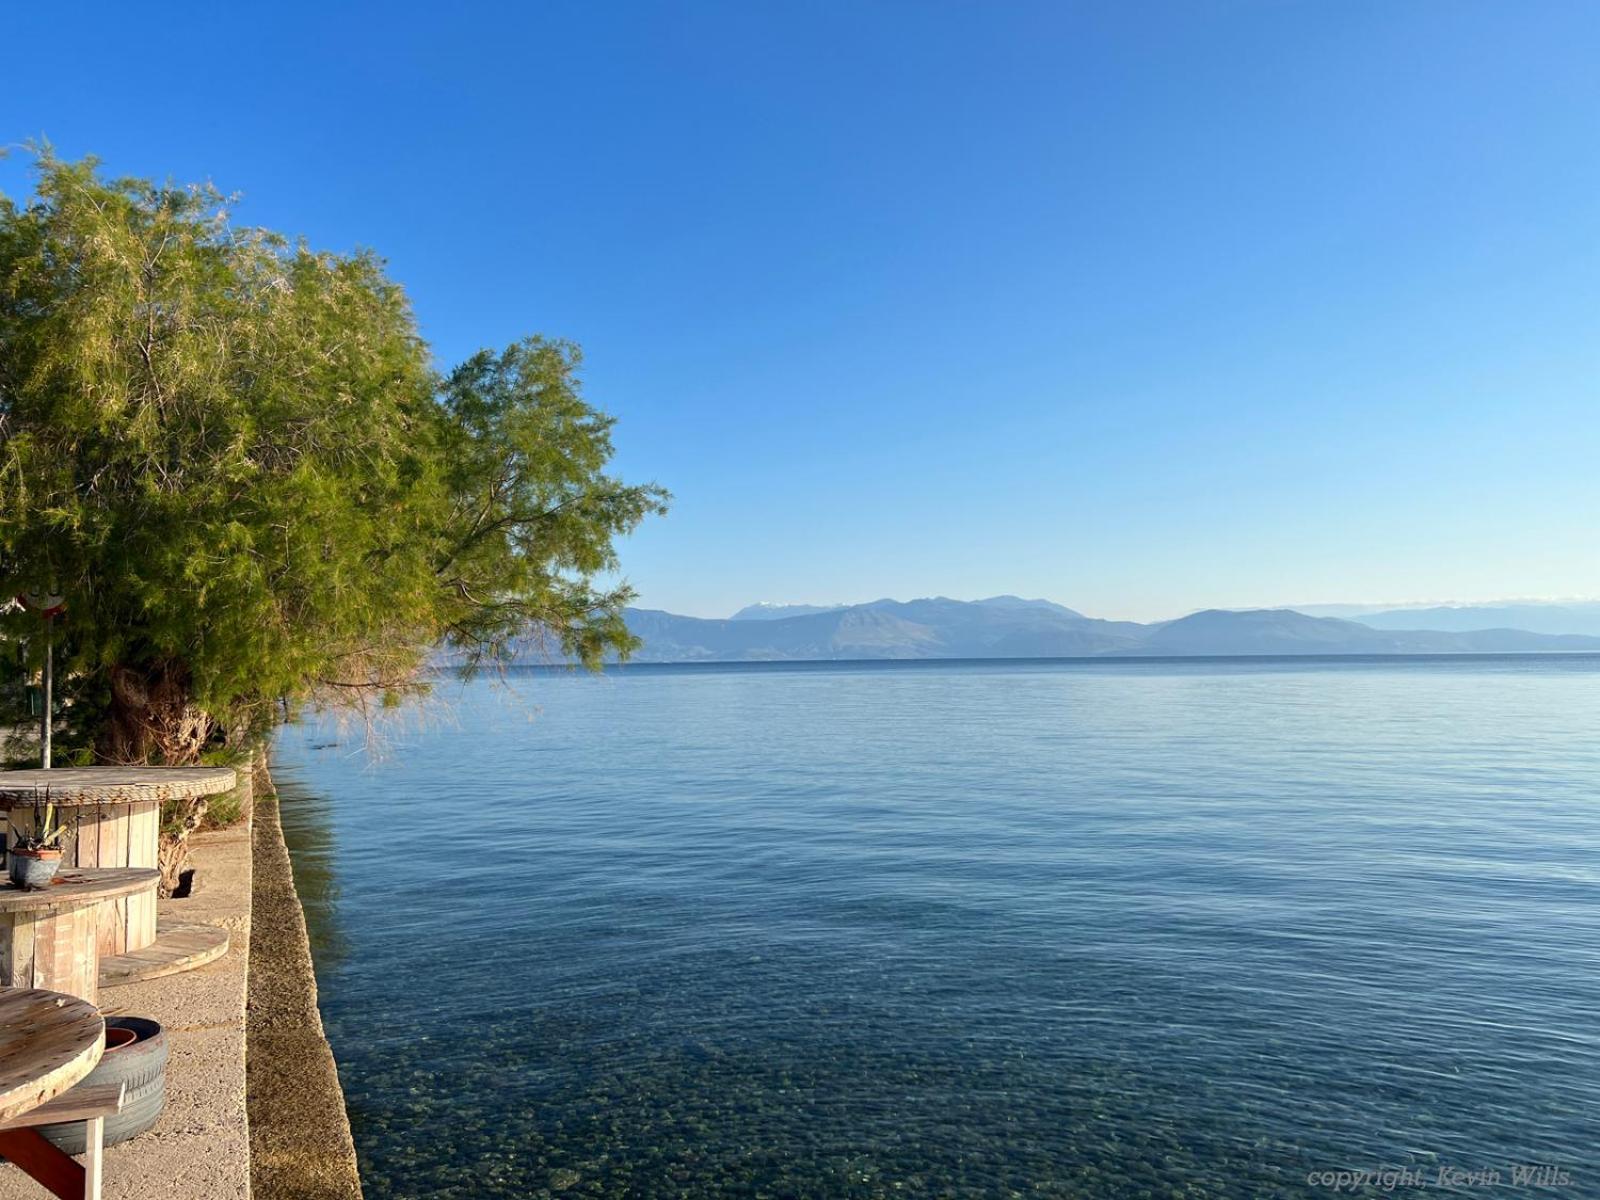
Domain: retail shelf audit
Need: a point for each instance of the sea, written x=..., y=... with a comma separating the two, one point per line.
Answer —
x=1068, y=928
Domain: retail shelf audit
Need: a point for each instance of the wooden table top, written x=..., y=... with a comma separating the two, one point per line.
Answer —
x=48, y=1041
x=74, y=887
x=74, y=786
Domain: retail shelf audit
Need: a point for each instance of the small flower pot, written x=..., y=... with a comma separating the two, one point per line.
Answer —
x=34, y=869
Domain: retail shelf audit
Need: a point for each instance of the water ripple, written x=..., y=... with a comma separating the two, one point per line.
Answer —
x=1154, y=929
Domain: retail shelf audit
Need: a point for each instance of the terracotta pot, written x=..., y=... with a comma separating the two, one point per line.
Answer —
x=117, y=1038
x=34, y=869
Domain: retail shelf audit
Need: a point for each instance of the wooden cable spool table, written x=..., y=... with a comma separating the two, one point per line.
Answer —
x=49, y=938
x=120, y=811
x=48, y=1042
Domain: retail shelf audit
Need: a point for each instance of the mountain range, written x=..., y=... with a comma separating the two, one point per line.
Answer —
x=1577, y=617
x=1012, y=627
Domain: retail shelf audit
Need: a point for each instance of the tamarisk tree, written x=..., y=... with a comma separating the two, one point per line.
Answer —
x=233, y=457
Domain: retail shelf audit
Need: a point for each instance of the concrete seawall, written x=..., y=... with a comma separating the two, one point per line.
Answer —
x=300, y=1145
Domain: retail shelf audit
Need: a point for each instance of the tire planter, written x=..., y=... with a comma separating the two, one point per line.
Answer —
x=141, y=1068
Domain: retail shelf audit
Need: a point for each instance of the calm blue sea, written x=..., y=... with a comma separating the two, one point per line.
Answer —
x=1123, y=929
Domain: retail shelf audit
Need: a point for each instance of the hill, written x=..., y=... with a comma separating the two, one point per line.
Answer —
x=1007, y=627
x=765, y=611
x=1284, y=631
x=1579, y=617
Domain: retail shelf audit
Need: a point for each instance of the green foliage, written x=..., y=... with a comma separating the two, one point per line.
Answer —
x=224, y=810
x=232, y=455
x=525, y=462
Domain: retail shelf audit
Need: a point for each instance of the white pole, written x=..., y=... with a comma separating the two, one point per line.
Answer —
x=49, y=681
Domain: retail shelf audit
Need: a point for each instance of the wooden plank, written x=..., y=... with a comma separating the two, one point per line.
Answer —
x=77, y=932
x=112, y=932
x=10, y=969
x=94, y=1152
x=121, y=821
x=152, y=955
x=141, y=921
x=109, y=934
x=68, y=976
x=44, y=1164
x=121, y=818
x=75, y=1104
x=52, y=953
x=21, y=950
x=187, y=940
x=89, y=838
x=64, y=953
x=88, y=841
x=110, y=821
x=145, y=836
x=85, y=955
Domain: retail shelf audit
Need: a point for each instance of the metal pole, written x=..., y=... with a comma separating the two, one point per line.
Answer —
x=44, y=720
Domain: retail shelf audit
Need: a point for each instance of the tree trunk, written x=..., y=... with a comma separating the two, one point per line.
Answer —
x=151, y=718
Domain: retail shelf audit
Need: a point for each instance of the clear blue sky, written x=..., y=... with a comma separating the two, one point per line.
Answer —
x=1141, y=307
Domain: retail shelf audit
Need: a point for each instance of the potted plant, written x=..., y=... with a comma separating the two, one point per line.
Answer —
x=36, y=853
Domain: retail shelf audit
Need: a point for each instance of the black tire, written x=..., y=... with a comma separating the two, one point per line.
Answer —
x=142, y=1070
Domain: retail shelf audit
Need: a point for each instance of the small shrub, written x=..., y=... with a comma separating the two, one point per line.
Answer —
x=224, y=810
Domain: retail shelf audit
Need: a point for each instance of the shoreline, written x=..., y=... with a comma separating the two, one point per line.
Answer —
x=300, y=1141
x=675, y=665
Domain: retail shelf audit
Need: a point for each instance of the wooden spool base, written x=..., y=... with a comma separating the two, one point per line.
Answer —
x=177, y=948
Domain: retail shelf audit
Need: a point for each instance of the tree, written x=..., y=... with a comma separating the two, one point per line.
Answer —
x=232, y=456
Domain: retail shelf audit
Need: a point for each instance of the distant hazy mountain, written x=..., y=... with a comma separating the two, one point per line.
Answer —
x=1017, y=602
x=1261, y=631
x=1537, y=618
x=765, y=611
x=1348, y=612
x=934, y=628
x=1284, y=631
x=1007, y=627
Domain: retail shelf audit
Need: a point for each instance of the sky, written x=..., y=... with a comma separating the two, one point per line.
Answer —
x=1140, y=307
